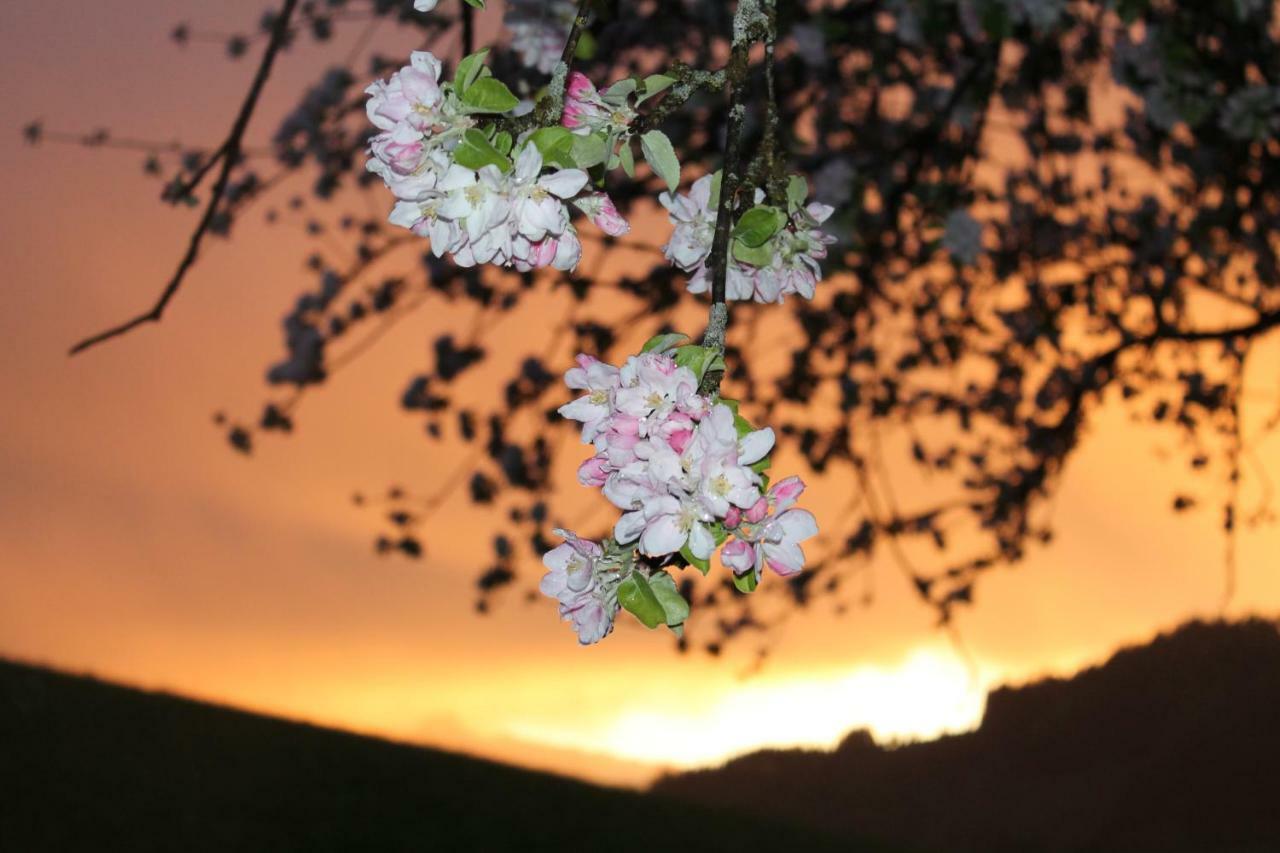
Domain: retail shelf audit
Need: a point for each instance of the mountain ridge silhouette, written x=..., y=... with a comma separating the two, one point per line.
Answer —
x=93, y=766
x=1170, y=746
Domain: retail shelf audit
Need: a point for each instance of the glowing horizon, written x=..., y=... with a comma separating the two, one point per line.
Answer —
x=135, y=545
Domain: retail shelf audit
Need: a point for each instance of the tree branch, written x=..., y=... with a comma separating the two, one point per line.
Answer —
x=690, y=82
x=229, y=154
x=745, y=32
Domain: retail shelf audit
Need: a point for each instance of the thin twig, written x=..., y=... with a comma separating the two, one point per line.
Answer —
x=230, y=157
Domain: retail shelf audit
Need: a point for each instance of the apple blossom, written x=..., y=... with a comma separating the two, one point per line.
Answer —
x=600, y=209
x=538, y=30
x=775, y=539
x=695, y=225
x=593, y=409
x=412, y=94
x=587, y=111
x=536, y=199
x=581, y=579
x=582, y=104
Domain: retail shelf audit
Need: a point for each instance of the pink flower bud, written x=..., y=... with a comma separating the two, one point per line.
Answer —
x=758, y=511
x=580, y=87
x=738, y=556
x=594, y=471
x=785, y=492
x=602, y=212
x=571, y=117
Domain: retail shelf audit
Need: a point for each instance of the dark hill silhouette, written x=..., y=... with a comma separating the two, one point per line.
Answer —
x=89, y=766
x=1173, y=746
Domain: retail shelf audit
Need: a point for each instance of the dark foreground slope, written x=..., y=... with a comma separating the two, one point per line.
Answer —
x=1174, y=746
x=87, y=766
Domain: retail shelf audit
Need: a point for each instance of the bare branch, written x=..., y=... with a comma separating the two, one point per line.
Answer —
x=229, y=154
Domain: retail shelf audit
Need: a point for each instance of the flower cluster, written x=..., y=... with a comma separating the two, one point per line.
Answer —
x=773, y=253
x=685, y=470
x=514, y=219
x=474, y=192
x=687, y=473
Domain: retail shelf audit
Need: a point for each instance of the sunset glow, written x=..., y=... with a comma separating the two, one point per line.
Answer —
x=135, y=545
x=927, y=695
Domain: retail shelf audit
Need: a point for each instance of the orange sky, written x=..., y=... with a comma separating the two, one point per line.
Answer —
x=134, y=544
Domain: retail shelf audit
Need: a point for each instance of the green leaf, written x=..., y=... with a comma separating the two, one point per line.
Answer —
x=618, y=93
x=555, y=144
x=746, y=583
x=718, y=532
x=661, y=156
x=588, y=151
x=761, y=466
x=701, y=565
x=502, y=141
x=636, y=596
x=797, y=192
x=698, y=359
x=714, y=201
x=662, y=343
x=489, y=95
x=586, y=46
x=717, y=365
x=673, y=604
x=468, y=70
x=476, y=151
x=653, y=84
x=758, y=225
x=475, y=4
x=628, y=158
x=760, y=256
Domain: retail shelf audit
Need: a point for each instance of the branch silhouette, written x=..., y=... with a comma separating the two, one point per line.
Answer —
x=228, y=154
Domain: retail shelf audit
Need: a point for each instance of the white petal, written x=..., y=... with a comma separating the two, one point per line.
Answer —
x=458, y=177
x=798, y=525
x=629, y=527
x=405, y=214
x=755, y=446
x=565, y=183
x=528, y=164
x=701, y=542
x=662, y=536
